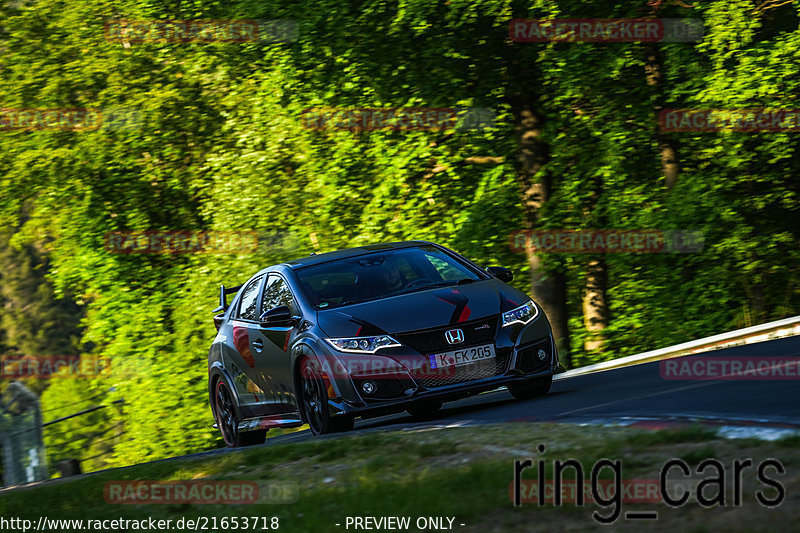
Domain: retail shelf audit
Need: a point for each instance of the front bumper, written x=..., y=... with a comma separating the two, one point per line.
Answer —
x=397, y=388
x=446, y=393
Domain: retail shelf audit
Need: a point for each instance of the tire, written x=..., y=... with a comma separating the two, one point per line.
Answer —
x=540, y=387
x=225, y=413
x=314, y=403
x=425, y=410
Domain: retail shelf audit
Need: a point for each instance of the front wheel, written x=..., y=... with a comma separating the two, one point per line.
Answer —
x=539, y=387
x=314, y=403
x=228, y=421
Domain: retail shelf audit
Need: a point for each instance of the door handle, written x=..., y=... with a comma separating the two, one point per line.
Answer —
x=258, y=344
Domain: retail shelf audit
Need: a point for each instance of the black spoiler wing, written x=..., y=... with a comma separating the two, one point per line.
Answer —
x=223, y=292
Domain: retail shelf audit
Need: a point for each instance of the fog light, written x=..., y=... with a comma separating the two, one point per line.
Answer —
x=542, y=355
x=369, y=387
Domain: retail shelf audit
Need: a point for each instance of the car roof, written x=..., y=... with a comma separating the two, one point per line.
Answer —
x=349, y=252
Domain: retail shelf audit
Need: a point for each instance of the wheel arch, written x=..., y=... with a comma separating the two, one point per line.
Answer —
x=216, y=373
x=300, y=351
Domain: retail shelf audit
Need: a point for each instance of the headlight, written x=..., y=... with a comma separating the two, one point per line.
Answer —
x=522, y=314
x=363, y=344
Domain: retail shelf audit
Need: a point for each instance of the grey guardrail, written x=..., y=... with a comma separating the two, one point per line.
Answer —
x=786, y=327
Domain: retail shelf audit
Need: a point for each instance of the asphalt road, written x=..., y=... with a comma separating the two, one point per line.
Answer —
x=632, y=393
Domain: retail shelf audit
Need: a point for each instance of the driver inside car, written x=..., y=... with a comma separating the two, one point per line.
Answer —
x=391, y=278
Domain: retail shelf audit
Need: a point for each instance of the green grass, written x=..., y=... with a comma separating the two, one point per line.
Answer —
x=791, y=441
x=694, y=433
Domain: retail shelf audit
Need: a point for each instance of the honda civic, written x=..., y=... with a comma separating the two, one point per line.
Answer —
x=368, y=331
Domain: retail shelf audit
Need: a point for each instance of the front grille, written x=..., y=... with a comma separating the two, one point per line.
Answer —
x=461, y=374
x=428, y=341
x=528, y=360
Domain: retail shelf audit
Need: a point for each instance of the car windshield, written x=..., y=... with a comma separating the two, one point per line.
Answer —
x=381, y=274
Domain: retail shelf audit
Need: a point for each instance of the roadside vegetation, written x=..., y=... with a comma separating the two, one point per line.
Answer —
x=464, y=473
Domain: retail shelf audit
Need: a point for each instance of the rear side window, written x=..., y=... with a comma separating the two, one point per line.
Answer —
x=247, y=304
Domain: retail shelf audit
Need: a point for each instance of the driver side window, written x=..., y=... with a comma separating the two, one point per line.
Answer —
x=277, y=292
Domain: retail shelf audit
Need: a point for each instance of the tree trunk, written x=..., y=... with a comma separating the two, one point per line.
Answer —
x=595, y=307
x=595, y=303
x=548, y=286
x=668, y=148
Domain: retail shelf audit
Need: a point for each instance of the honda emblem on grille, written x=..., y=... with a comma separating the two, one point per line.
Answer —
x=454, y=336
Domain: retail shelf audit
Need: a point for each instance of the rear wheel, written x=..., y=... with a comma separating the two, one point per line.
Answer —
x=228, y=421
x=315, y=403
x=425, y=410
x=540, y=387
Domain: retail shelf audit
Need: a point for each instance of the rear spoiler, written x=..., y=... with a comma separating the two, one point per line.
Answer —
x=223, y=292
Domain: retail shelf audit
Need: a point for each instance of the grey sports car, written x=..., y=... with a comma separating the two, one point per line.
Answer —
x=368, y=331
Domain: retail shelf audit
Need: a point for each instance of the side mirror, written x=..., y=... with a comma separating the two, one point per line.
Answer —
x=278, y=316
x=501, y=273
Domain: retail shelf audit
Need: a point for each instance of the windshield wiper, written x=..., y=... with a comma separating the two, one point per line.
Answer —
x=351, y=302
x=462, y=281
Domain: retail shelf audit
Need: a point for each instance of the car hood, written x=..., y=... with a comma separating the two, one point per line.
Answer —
x=421, y=310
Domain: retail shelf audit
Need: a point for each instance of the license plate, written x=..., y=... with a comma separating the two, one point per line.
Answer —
x=464, y=356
